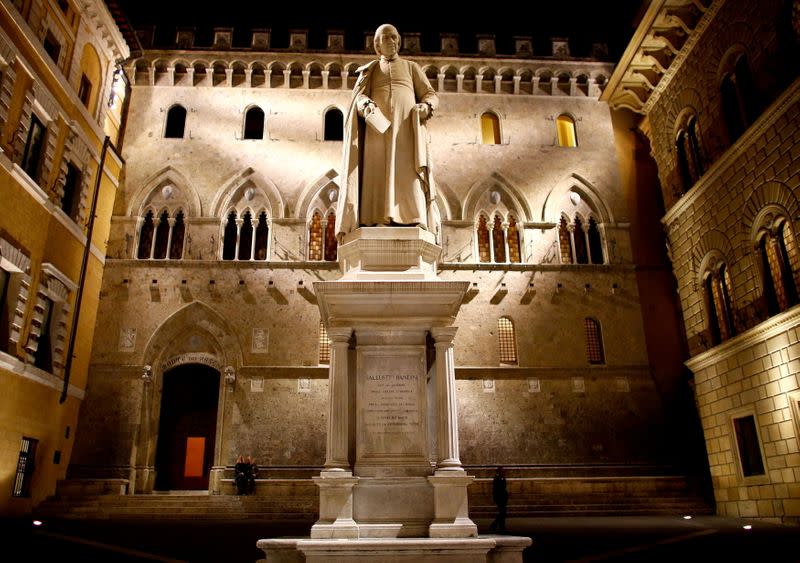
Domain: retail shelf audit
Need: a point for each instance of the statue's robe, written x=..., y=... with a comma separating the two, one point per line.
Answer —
x=386, y=176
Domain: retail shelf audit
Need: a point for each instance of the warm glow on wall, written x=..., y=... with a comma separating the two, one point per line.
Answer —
x=195, y=451
x=565, y=126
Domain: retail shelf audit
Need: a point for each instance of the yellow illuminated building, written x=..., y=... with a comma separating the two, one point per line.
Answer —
x=61, y=107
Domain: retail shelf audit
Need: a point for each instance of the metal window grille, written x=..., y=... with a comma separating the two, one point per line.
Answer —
x=506, y=341
x=324, y=345
x=594, y=341
x=25, y=467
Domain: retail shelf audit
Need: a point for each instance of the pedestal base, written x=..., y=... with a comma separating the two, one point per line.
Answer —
x=485, y=549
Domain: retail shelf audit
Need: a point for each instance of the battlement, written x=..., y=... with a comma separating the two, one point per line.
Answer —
x=340, y=41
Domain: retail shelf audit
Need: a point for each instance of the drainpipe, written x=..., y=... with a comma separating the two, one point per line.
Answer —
x=84, y=266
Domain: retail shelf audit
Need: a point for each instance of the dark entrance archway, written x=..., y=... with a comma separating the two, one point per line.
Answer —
x=187, y=427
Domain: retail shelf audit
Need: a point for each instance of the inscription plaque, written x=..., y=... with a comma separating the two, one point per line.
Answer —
x=392, y=411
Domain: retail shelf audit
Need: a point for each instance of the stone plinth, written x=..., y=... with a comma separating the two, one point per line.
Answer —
x=393, y=488
x=497, y=549
x=389, y=253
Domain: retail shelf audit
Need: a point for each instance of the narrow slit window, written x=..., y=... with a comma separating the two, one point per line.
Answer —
x=514, y=247
x=499, y=239
x=246, y=237
x=162, y=237
x=262, y=237
x=324, y=345
x=176, y=241
x=484, y=244
x=315, y=237
x=595, y=242
x=331, y=244
x=581, y=254
x=229, y=238
x=564, y=241
x=146, y=237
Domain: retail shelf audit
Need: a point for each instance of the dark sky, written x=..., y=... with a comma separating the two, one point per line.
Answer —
x=583, y=21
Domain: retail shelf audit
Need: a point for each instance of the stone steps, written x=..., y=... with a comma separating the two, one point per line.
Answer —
x=299, y=500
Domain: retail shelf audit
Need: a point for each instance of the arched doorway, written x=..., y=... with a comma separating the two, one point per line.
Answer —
x=187, y=427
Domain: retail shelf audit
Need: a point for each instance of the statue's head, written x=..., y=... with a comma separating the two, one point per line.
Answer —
x=387, y=40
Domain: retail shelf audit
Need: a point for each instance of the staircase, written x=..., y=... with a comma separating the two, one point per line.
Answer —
x=298, y=499
x=592, y=496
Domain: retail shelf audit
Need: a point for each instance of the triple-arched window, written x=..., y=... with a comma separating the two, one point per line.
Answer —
x=498, y=238
x=161, y=235
x=580, y=241
x=245, y=236
x=780, y=263
x=322, y=243
x=719, y=303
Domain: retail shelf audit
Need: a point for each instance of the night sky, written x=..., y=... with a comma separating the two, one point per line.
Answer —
x=584, y=21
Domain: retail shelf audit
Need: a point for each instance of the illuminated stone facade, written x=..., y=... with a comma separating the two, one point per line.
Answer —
x=550, y=407
x=722, y=120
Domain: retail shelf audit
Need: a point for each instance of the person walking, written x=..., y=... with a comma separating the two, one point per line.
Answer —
x=500, y=498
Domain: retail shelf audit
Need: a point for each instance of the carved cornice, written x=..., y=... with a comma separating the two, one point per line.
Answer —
x=668, y=31
x=771, y=327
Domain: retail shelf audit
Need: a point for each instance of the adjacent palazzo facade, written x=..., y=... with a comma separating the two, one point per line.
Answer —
x=720, y=106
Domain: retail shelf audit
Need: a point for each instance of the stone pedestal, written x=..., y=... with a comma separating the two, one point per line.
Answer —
x=393, y=486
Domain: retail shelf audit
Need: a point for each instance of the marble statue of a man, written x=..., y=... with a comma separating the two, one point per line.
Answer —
x=386, y=170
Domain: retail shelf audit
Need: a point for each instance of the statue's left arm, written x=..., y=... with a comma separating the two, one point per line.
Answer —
x=423, y=91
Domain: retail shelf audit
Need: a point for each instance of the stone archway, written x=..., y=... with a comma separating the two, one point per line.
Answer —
x=187, y=427
x=198, y=339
